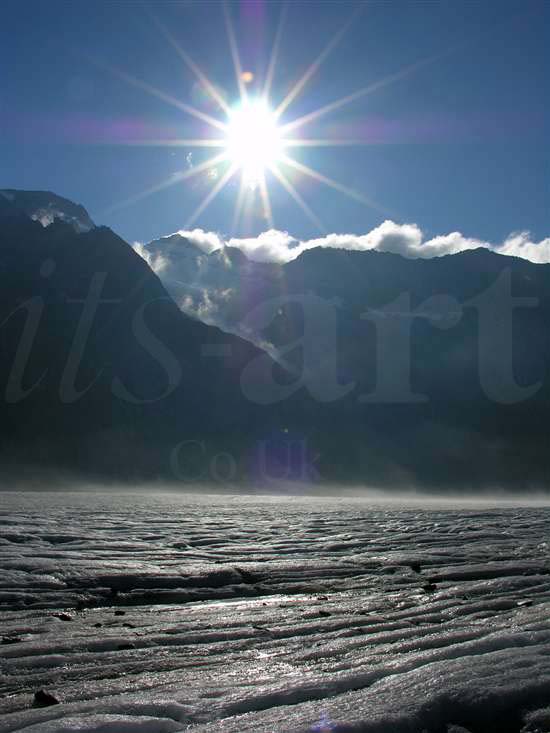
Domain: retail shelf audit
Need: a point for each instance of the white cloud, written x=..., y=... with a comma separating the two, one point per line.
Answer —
x=206, y=241
x=270, y=246
x=157, y=261
x=407, y=240
x=520, y=245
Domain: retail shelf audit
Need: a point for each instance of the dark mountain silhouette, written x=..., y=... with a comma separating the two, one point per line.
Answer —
x=110, y=388
x=485, y=410
x=46, y=207
x=457, y=406
x=392, y=372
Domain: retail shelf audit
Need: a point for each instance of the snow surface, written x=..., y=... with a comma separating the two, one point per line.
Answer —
x=159, y=613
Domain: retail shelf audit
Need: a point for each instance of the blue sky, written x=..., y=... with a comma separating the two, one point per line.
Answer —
x=459, y=144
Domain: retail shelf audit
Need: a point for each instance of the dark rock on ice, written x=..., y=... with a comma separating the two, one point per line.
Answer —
x=247, y=576
x=63, y=616
x=262, y=629
x=44, y=699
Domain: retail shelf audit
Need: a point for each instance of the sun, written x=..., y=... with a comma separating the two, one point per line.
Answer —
x=251, y=136
x=253, y=141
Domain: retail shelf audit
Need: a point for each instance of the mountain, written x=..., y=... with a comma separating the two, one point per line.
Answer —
x=356, y=368
x=421, y=371
x=357, y=290
x=216, y=285
x=47, y=207
x=100, y=372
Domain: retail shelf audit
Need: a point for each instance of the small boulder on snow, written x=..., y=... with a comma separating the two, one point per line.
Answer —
x=43, y=699
x=11, y=640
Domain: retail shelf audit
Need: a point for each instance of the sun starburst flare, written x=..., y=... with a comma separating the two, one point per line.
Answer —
x=252, y=138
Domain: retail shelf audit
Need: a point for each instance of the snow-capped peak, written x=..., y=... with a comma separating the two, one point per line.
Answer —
x=45, y=207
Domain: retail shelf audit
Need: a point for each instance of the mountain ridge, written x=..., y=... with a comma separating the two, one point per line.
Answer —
x=136, y=347
x=119, y=397
x=46, y=207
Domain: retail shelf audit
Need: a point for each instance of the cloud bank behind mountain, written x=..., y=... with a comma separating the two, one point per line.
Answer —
x=219, y=281
x=407, y=240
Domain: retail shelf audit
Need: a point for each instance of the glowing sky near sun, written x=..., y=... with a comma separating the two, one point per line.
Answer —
x=415, y=112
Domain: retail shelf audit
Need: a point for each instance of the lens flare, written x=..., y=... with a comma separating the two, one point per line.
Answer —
x=253, y=137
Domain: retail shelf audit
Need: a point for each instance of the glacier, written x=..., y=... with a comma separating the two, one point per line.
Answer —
x=159, y=612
